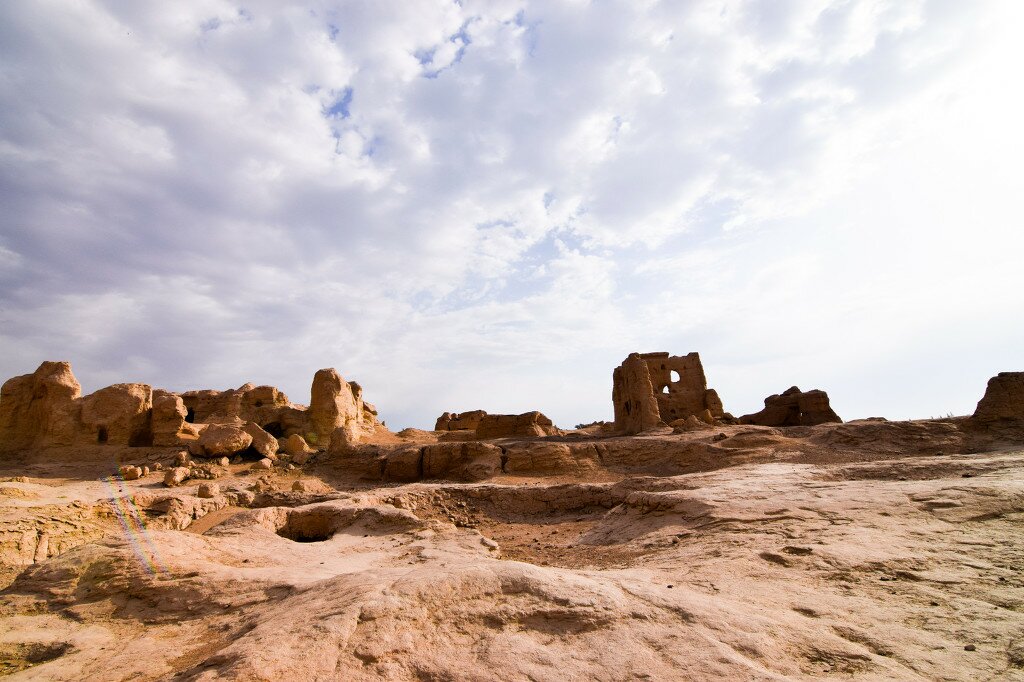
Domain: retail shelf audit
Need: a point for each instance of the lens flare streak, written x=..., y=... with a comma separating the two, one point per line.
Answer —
x=128, y=515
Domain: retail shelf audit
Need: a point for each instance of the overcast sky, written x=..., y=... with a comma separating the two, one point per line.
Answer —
x=489, y=204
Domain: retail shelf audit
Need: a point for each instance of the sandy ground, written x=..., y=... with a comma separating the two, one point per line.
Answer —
x=851, y=552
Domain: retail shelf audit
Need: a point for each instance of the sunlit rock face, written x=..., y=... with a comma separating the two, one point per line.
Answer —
x=120, y=415
x=46, y=409
x=40, y=409
x=335, y=403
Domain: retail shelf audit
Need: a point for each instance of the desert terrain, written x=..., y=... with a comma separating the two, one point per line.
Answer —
x=235, y=535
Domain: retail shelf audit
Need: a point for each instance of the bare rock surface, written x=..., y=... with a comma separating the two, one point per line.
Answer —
x=885, y=568
x=636, y=407
x=130, y=473
x=336, y=403
x=208, y=490
x=296, y=446
x=176, y=476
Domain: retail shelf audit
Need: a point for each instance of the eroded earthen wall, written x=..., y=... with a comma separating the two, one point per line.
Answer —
x=46, y=409
x=636, y=408
x=528, y=424
x=649, y=389
x=1003, y=399
x=794, y=407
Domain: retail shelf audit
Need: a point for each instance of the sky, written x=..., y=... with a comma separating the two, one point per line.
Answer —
x=489, y=204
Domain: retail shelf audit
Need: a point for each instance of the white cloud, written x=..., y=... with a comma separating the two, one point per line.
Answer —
x=490, y=203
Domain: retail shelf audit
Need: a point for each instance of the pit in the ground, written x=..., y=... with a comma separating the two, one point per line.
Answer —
x=16, y=657
x=309, y=526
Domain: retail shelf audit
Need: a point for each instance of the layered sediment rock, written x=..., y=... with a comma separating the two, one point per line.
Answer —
x=794, y=408
x=680, y=386
x=461, y=461
x=260, y=404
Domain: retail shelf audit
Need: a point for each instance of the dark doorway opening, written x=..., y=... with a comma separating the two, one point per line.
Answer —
x=143, y=438
x=190, y=415
x=274, y=429
x=102, y=435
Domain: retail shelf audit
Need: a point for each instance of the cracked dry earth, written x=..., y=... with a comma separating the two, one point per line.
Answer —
x=892, y=568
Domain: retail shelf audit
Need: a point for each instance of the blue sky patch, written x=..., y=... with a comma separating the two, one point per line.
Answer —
x=340, y=107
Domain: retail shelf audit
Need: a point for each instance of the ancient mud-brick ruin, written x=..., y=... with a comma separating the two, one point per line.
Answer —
x=794, y=408
x=46, y=408
x=525, y=425
x=484, y=426
x=651, y=389
x=459, y=421
x=1003, y=399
